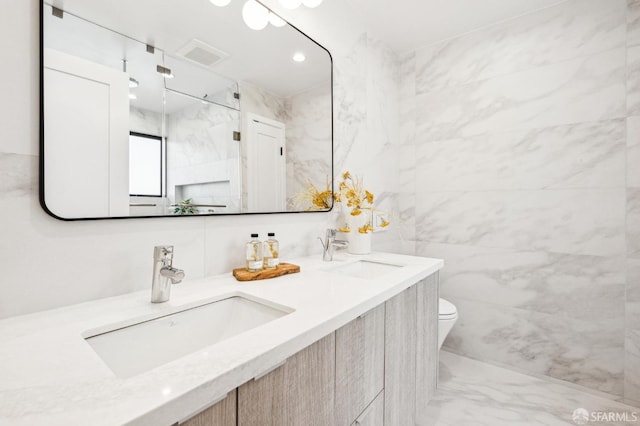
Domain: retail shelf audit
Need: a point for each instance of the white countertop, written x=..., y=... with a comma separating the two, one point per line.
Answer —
x=49, y=375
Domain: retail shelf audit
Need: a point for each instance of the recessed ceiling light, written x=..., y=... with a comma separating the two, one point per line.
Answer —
x=132, y=96
x=255, y=15
x=221, y=3
x=133, y=82
x=299, y=57
x=276, y=21
x=311, y=3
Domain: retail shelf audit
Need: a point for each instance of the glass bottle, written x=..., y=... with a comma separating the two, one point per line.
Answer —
x=271, y=253
x=254, y=254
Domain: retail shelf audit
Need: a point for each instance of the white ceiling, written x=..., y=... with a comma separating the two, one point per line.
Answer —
x=263, y=58
x=409, y=24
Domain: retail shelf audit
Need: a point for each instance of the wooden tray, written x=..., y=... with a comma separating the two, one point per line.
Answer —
x=242, y=274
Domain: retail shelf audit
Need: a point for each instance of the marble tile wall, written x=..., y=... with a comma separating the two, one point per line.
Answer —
x=48, y=263
x=308, y=134
x=201, y=153
x=632, y=329
x=145, y=121
x=517, y=136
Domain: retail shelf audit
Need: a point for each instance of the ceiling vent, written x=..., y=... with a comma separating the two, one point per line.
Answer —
x=201, y=53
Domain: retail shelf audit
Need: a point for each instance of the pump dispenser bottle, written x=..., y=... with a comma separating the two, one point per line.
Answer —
x=254, y=254
x=271, y=252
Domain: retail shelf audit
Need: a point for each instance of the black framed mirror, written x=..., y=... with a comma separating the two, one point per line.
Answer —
x=165, y=109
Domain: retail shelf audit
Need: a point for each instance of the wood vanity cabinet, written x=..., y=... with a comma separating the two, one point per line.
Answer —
x=300, y=392
x=222, y=413
x=411, y=352
x=359, y=365
x=400, y=358
x=379, y=369
x=427, y=297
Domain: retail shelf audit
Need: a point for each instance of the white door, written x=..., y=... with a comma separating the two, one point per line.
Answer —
x=87, y=137
x=266, y=165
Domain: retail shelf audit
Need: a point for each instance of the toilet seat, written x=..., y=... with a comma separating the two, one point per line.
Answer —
x=446, y=310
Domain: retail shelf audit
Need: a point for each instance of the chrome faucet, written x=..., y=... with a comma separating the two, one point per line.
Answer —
x=163, y=271
x=330, y=244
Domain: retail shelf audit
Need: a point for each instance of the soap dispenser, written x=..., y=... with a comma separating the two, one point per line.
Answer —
x=254, y=254
x=271, y=252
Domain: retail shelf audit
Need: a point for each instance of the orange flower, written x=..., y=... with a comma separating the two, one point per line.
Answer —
x=365, y=229
x=369, y=196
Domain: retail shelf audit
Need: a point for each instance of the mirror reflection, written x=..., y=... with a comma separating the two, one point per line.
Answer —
x=185, y=111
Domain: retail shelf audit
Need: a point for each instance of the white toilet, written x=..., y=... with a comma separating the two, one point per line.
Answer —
x=447, y=316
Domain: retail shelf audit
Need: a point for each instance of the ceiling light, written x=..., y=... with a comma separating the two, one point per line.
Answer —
x=299, y=57
x=255, y=15
x=132, y=96
x=275, y=20
x=311, y=3
x=291, y=4
x=221, y=3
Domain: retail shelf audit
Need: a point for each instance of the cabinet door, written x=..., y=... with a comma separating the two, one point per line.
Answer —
x=427, y=343
x=300, y=392
x=222, y=413
x=400, y=359
x=373, y=415
x=359, y=365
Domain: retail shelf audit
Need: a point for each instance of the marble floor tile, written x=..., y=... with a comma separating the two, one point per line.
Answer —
x=589, y=353
x=475, y=393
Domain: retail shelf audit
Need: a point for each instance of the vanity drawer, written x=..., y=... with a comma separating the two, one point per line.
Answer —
x=373, y=415
x=359, y=364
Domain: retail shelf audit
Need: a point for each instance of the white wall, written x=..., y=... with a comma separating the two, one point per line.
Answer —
x=47, y=263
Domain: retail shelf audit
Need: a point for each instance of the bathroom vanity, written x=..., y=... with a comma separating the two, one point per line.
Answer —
x=349, y=342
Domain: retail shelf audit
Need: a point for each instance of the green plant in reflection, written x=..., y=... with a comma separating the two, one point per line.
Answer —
x=185, y=207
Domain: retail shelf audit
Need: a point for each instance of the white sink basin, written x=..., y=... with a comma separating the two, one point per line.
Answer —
x=367, y=269
x=146, y=345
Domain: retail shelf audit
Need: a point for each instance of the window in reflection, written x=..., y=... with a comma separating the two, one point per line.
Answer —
x=145, y=165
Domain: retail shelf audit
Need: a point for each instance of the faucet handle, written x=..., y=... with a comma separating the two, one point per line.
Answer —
x=163, y=253
x=331, y=233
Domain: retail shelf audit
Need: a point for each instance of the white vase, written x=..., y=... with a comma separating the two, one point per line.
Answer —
x=359, y=243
